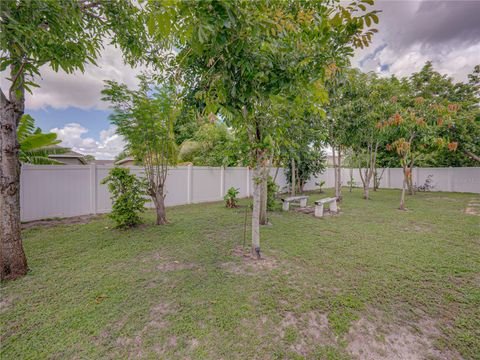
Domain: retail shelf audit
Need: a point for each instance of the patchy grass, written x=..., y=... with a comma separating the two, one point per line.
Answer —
x=372, y=282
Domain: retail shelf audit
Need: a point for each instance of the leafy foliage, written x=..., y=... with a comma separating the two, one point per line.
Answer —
x=128, y=196
x=213, y=144
x=309, y=162
x=231, y=197
x=272, y=189
x=35, y=146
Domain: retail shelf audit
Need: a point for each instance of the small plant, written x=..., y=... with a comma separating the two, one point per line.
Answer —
x=128, y=196
x=427, y=186
x=272, y=189
x=231, y=197
x=320, y=186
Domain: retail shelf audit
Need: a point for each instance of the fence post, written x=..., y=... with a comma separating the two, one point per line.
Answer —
x=248, y=181
x=189, y=184
x=388, y=179
x=93, y=188
x=450, y=179
x=222, y=182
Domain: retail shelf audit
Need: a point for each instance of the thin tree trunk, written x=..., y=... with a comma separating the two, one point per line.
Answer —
x=257, y=188
x=292, y=191
x=351, y=179
x=263, y=201
x=411, y=188
x=472, y=155
x=402, y=198
x=159, y=201
x=13, y=262
x=364, y=180
x=335, y=174
x=338, y=188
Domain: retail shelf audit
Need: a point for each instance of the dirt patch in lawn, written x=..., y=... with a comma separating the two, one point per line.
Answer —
x=157, y=321
x=369, y=339
x=304, y=332
x=83, y=219
x=473, y=207
x=249, y=265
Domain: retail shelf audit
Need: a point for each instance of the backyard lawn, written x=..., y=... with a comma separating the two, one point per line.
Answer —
x=372, y=282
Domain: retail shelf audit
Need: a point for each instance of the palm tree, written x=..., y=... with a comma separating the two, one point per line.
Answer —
x=35, y=146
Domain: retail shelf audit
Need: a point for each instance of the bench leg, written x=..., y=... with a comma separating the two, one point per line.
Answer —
x=303, y=203
x=285, y=206
x=333, y=207
x=319, y=210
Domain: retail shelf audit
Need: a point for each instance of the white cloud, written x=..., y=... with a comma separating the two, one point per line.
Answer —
x=73, y=136
x=60, y=90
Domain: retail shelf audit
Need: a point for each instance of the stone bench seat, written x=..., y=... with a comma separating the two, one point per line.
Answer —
x=301, y=199
x=319, y=204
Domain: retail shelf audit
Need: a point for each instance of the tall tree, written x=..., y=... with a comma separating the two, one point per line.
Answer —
x=145, y=118
x=62, y=34
x=240, y=53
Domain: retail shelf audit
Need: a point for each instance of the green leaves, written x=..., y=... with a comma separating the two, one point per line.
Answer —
x=35, y=146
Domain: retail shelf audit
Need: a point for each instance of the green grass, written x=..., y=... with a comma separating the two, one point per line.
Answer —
x=178, y=291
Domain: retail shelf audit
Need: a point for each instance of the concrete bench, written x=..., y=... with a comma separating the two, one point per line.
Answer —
x=320, y=203
x=301, y=199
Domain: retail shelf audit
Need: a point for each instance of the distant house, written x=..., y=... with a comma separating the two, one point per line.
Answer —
x=128, y=161
x=69, y=158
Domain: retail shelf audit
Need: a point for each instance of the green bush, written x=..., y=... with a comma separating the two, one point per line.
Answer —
x=128, y=196
x=272, y=190
x=231, y=198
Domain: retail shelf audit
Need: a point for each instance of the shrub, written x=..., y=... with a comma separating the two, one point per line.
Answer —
x=128, y=196
x=272, y=190
x=320, y=186
x=231, y=198
x=427, y=186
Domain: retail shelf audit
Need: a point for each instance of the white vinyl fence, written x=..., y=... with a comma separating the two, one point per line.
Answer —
x=72, y=190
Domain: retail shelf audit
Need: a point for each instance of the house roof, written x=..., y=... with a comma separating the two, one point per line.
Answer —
x=125, y=160
x=69, y=154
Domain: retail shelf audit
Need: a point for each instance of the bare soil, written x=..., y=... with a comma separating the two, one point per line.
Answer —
x=83, y=219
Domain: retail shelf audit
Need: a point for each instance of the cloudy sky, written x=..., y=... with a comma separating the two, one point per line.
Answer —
x=410, y=33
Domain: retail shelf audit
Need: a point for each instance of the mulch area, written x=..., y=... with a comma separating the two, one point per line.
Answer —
x=83, y=219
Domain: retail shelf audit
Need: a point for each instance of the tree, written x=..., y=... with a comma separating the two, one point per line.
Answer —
x=464, y=129
x=212, y=145
x=309, y=162
x=368, y=104
x=35, y=146
x=145, y=118
x=63, y=34
x=241, y=53
x=417, y=127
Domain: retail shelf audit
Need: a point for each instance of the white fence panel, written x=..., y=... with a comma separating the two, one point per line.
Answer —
x=206, y=184
x=72, y=190
x=54, y=191
x=237, y=178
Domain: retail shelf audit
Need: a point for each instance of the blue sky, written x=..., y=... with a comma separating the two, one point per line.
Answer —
x=94, y=120
x=411, y=32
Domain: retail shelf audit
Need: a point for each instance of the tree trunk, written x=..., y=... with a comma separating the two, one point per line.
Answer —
x=159, y=201
x=293, y=178
x=402, y=198
x=257, y=188
x=263, y=200
x=351, y=179
x=472, y=155
x=338, y=186
x=13, y=262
